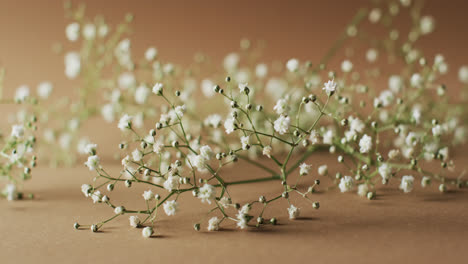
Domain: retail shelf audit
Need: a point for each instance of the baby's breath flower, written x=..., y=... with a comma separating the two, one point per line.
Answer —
x=22, y=93
x=213, y=224
x=363, y=189
x=207, y=193
x=267, y=151
x=148, y=195
x=346, y=184
x=119, y=210
x=330, y=87
x=72, y=31
x=93, y=163
x=304, y=169
x=170, y=207
x=281, y=106
x=407, y=183
x=147, y=232
x=281, y=125
x=322, y=170
x=151, y=53
x=125, y=122
x=365, y=144
x=44, y=89
x=229, y=125
x=293, y=212
x=134, y=221
x=292, y=65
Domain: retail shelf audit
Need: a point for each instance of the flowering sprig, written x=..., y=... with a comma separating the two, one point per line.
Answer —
x=284, y=115
x=17, y=145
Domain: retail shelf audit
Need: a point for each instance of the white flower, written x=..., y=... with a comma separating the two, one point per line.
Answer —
x=426, y=24
x=425, y=181
x=365, y=144
x=245, y=141
x=137, y=155
x=304, y=169
x=437, y=130
x=92, y=163
x=241, y=221
x=126, y=161
x=314, y=137
x=11, y=192
x=171, y=207
x=206, y=193
x=267, y=151
x=261, y=70
x=197, y=161
x=141, y=94
x=96, y=196
x=281, y=106
x=171, y=183
x=407, y=183
x=355, y=124
x=329, y=86
x=125, y=122
x=328, y=137
x=72, y=64
x=17, y=131
x=463, y=74
x=245, y=209
x=411, y=139
x=148, y=195
x=416, y=80
x=158, y=88
x=229, y=125
x=107, y=112
x=89, y=31
x=158, y=147
x=374, y=15
x=207, y=87
x=44, y=89
x=225, y=202
x=22, y=93
x=213, y=120
x=386, y=97
x=90, y=149
x=385, y=171
x=346, y=184
x=292, y=65
x=119, y=210
x=103, y=30
x=322, y=170
x=231, y=61
x=293, y=212
x=151, y=53
x=281, y=125
x=147, y=232
x=206, y=152
x=363, y=189
x=346, y=66
x=134, y=221
x=85, y=189
x=213, y=224
x=242, y=87
x=126, y=80
x=72, y=31
x=395, y=83
x=371, y=55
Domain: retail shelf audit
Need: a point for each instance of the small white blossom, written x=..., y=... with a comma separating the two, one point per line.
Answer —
x=171, y=183
x=158, y=88
x=141, y=94
x=85, y=189
x=170, y=207
x=322, y=170
x=96, y=196
x=119, y=210
x=385, y=171
x=330, y=86
x=151, y=53
x=346, y=66
x=93, y=163
x=22, y=93
x=293, y=212
x=267, y=151
x=72, y=31
x=363, y=189
x=213, y=224
x=137, y=155
x=281, y=106
x=245, y=141
x=229, y=125
x=407, y=183
x=17, y=131
x=125, y=122
x=304, y=169
x=426, y=24
x=147, y=232
x=134, y=221
x=365, y=144
x=72, y=64
x=292, y=65
x=206, y=193
x=281, y=125
x=44, y=89
x=346, y=184
x=148, y=195
x=463, y=74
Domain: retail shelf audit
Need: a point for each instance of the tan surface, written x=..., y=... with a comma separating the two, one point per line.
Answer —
x=422, y=227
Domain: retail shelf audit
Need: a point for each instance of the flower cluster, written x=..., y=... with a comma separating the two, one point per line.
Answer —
x=17, y=145
x=276, y=118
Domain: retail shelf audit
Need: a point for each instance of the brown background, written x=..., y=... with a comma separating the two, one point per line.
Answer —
x=422, y=227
